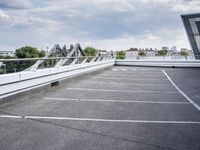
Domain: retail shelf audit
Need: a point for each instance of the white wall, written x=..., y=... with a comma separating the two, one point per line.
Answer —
x=17, y=82
x=158, y=63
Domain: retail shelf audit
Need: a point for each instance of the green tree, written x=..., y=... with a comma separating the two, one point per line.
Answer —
x=27, y=52
x=90, y=51
x=142, y=53
x=9, y=65
x=162, y=52
x=42, y=53
x=120, y=54
x=183, y=53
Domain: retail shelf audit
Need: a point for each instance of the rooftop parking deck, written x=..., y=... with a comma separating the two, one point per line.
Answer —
x=140, y=108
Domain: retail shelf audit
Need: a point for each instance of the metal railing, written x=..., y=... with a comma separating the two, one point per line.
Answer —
x=17, y=65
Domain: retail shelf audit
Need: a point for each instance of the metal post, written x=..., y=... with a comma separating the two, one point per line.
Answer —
x=47, y=63
x=4, y=68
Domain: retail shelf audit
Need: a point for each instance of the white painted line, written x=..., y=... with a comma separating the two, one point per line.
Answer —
x=124, y=69
x=132, y=75
x=126, y=91
x=102, y=120
x=114, y=69
x=189, y=99
x=133, y=69
x=113, y=101
x=127, y=78
x=11, y=116
x=123, y=83
x=137, y=72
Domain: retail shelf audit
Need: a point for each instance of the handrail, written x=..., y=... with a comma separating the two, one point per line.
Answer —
x=50, y=58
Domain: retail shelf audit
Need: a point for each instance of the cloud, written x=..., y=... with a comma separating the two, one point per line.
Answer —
x=16, y=4
x=3, y=15
x=148, y=39
x=108, y=24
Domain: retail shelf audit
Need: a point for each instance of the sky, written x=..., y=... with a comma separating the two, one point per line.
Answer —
x=104, y=24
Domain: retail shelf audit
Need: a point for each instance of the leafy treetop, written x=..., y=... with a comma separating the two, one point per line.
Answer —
x=29, y=52
x=120, y=54
x=90, y=51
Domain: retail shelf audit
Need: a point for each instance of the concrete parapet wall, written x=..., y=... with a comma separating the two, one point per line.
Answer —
x=148, y=63
x=14, y=83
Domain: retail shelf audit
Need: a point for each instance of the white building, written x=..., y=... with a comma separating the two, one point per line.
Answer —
x=103, y=53
x=150, y=52
x=172, y=51
x=7, y=53
x=174, y=48
x=184, y=49
x=132, y=53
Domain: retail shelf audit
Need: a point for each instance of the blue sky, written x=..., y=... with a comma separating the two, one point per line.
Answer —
x=104, y=24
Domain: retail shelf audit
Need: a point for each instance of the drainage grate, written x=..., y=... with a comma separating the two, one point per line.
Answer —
x=54, y=84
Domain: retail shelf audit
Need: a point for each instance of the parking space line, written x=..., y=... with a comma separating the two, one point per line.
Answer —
x=114, y=101
x=125, y=91
x=136, y=72
x=114, y=69
x=100, y=120
x=126, y=78
x=133, y=75
x=180, y=91
x=123, y=83
x=11, y=116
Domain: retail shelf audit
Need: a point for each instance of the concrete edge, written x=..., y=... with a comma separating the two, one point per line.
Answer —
x=21, y=96
x=158, y=64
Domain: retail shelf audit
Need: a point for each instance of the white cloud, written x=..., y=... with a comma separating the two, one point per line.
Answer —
x=108, y=24
x=3, y=15
x=16, y=4
x=162, y=37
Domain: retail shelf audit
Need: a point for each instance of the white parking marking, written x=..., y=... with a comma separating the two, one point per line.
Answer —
x=123, y=83
x=100, y=120
x=180, y=91
x=137, y=72
x=126, y=91
x=132, y=75
x=11, y=116
x=124, y=69
x=114, y=69
x=114, y=101
x=127, y=78
x=133, y=69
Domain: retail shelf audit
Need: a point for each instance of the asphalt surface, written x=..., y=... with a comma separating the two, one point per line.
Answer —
x=120, y=108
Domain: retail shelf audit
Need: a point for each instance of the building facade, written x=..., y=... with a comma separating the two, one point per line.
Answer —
x=7, y=53
x=132, y=53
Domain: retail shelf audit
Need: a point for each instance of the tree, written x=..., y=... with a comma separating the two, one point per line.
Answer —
x=9, y=65
x=27, y=52
x=142, y=53
x=90, y=51
x=183, y=53
x=120, y=54
x=42, y=53
x=162, y=52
